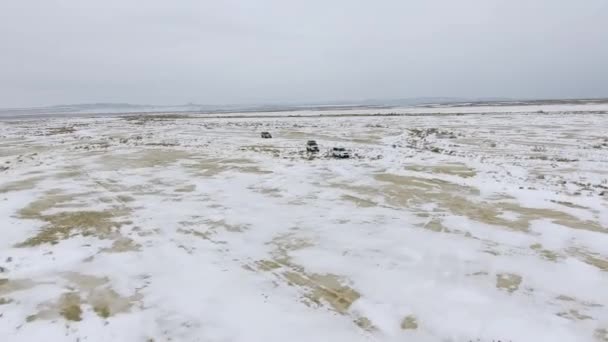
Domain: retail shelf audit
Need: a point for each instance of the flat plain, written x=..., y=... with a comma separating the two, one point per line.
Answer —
x=452, y=224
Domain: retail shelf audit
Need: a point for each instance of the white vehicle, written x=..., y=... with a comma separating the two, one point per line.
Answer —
x=340, y=153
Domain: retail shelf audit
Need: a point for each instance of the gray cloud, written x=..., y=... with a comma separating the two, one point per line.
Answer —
x=213, y=52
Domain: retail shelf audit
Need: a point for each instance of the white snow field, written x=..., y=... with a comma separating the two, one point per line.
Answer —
x=454, y=227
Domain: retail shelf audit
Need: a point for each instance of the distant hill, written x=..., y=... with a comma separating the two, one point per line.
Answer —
x=126, y=108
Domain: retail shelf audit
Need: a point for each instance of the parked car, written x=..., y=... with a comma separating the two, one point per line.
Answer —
x=266, y=135
x=340, y=152
x=312, y=147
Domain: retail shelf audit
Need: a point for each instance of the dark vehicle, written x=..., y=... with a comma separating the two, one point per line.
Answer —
x=266, y=135
x=340, y=153
x=312, y=147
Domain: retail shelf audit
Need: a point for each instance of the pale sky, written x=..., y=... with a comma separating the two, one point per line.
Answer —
x=268, y=51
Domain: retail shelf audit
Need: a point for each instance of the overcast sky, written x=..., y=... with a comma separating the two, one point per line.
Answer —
x=235, y=52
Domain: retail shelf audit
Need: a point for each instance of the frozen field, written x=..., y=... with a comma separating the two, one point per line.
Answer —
x=175, y=228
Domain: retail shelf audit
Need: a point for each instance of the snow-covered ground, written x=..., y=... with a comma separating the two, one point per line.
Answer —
x=190, y=228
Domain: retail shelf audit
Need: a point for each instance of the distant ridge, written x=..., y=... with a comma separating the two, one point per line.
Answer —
x=126, y=108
